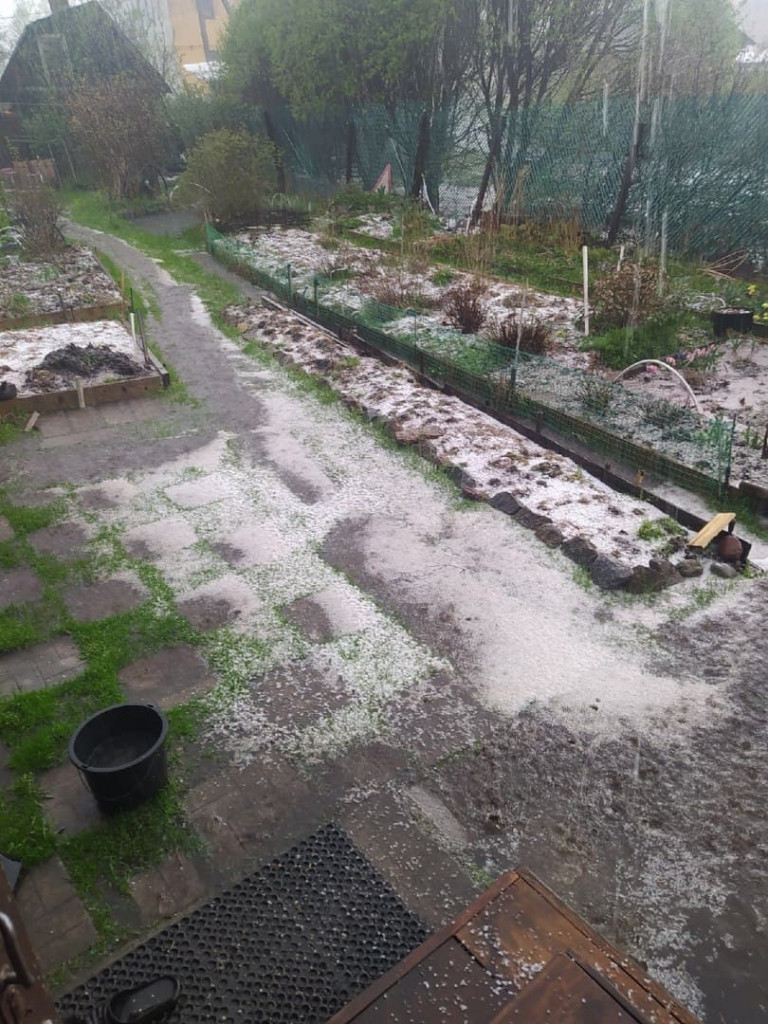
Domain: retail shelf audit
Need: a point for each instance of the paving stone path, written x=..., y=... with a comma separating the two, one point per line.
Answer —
x=489, y=602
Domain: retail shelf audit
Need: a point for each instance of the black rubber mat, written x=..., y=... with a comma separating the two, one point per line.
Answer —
x=292, y=943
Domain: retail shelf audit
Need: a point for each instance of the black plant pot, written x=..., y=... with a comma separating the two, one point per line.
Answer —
x=731, y=318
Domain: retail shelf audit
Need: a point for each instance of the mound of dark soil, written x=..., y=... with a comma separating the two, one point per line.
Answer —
x=89, y=361
x=62, y=366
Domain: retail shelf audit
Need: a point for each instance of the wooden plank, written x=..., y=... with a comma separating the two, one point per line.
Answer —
x=97, y=394
x=449, y=986
x=715, y=526
x=566, y=993
x=77, y=314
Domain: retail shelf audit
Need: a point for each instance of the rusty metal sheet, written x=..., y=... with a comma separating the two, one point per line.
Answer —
x=518, y=933
x=449, y=986
x=566, y=993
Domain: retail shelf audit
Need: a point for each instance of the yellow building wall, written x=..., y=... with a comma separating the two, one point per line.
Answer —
x=197, y=27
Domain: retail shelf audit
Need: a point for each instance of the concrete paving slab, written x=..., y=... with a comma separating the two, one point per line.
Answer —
x=168, y=889
x=19, y=586
x=56, y=921
x=163, y=538
x=298, y=695
x=328, y=614
x=34, y=668
x=68, y=804
x=63, y=540
x=204, y=490
x=168, y=678
x=102, y=600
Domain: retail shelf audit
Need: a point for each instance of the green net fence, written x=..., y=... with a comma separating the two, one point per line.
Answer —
x=662, y=439
x=699, y=182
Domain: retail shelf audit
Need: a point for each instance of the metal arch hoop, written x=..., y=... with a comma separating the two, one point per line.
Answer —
x=664, y=366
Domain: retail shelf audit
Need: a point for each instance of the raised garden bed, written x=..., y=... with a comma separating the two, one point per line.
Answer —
x=45, y=364
x=71, y=287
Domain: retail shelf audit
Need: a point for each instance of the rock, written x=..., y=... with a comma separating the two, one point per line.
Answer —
x=580, y=551
x=690, y=567
x=7, y=391
x=609, y=575
x=531, y=520
x=730, y=549
x=465, y=480
x=725, y=572
x=665, y=570
x=506, y=503
x=550, y=535
x=649, y=579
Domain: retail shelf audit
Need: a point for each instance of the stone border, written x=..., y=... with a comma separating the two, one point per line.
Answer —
x=605, y=572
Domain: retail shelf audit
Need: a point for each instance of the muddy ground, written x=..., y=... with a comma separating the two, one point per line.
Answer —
x=618, y=749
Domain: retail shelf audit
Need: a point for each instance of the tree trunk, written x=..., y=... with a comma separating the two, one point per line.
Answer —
x=279, y=165
x=493, y=156
x=626, y=183
x=422, y=157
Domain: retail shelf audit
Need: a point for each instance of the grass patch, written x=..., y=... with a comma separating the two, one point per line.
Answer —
x=11, y=429
x=93, y=210
x=113, y=853
x=25, y=832
x=25, y=519
x=660, y=529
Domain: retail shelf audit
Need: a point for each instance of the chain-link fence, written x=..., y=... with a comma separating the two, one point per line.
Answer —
x=660, y=438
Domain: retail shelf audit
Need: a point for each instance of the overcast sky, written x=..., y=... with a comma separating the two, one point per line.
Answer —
x=755, y=17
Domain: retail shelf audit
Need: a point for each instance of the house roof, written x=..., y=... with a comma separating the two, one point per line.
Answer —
x=83, y=41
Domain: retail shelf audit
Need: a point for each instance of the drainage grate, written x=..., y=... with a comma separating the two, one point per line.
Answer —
x=292, y=943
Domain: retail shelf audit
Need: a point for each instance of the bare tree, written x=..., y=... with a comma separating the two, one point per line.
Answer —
x=531, y=51
x=120, y=128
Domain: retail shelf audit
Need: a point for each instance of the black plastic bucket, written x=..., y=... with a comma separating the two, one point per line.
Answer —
x=120, y=753
x=731, y=319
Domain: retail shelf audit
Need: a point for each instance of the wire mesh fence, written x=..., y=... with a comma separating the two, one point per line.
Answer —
x=659, y=438
x=699, y=169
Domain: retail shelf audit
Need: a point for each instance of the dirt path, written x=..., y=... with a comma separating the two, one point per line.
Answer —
x=617, y=756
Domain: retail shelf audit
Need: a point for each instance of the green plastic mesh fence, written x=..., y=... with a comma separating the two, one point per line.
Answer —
x=700, y=176
x=658, y=437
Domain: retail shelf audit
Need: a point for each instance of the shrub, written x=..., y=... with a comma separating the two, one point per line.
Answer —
x=627, y=297
x=398, y=291
x=228, y=176
x=442, y=278
x=621, y=346
x=464, y=308
x=37, y=210
x=534, y=337
x=596, y=395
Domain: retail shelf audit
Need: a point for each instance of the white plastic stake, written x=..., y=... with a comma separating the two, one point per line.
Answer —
x=585, y=255
x=520, y=328
x=80, y=394
x=621, y=258
x=133, y=331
